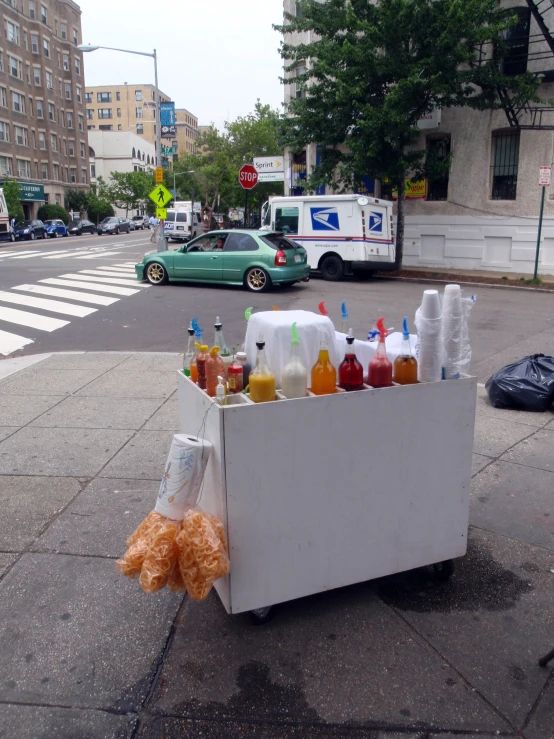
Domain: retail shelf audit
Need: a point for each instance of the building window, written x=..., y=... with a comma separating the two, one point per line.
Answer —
x=63, y=31
x=34, y=43
x=138, y=96
x=44, y=170
x=82, y=147
x=77, y=66
x=300, y=70
x=90, y=114
x=3, y=97
x=104, y=112
x=92, y=171
x=51, y=112
x=21, y=136
x=75, y=36
x=84, y=176
x=49, y=80
x=105, y=128
x=5, y=165
x=40, y=109
x=438, y=151
x=55, y=171
x=42, y=140
x=36, y=76
x=64, y=146
x=1, y=62
x=32, y=9
x=119, y=127
x=53, y=142
x=71, y=148
x=15, y=67
x=140, y=128
x=73, y=174
x=104, y=97
x=81, y=123
x=18, y=102
x=66, y=62
x=4, y=131
x=79, y=94
x=43, y=14
x=12, y=32
x=505, y=146
x=118, y=96
x=88, y=97
x=69, y=119
x=119, y=112
x=34, y=137
x=138, y=112
x=31, y=107
x=517, y=41
x=23, y=168
x=68, y=90
x=46, y=46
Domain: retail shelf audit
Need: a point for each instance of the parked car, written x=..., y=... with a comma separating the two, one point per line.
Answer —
x=132, y=224
x=55, y=227
x=254, y=259
x=78, y=228
x=222, y=220
x=113, y=225
x=30, y=230
x=141, y=222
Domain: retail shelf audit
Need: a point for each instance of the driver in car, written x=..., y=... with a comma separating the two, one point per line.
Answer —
x=219, y=244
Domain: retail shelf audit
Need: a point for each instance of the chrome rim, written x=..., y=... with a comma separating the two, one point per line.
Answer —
x=56, y=234
x=32, y=234
x=155, y=273
x=257, y=279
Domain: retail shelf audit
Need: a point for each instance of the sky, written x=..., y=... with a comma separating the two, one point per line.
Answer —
x=215, y=57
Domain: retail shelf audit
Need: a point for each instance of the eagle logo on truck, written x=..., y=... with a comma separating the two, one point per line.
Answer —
x=375, y=222
x=325, y=219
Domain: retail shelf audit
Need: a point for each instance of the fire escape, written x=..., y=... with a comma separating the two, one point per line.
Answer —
x=534, y=53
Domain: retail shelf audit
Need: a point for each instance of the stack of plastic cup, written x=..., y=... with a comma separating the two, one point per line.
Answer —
x=430, y=345
x=452, y=331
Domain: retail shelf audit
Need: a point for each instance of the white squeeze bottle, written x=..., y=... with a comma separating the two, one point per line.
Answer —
x=294, y=377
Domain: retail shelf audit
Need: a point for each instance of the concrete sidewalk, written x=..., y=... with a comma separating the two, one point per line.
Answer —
x=86, y=655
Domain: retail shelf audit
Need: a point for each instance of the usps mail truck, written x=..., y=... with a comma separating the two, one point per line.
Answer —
x=341, y=233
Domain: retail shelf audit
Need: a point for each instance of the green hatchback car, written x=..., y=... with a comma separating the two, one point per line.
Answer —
x=255, y=259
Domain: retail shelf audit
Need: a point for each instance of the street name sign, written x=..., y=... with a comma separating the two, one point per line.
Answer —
x=160, y=196
x=248, y=177
x=271, y=176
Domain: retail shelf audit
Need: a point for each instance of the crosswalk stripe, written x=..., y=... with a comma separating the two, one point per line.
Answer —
x=27, y=255
x=69, y=294
x=8, y=253
x=90, y=286
x=34, y=320
x=64, y=254
x=12, y=342
x=60, y=251
x=101, y=256
x=125, y=264
x=119, y=271
x=55, y=306
x=106, y=273
x=107, y=280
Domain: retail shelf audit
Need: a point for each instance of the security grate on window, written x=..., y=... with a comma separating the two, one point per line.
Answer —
x=505, y=162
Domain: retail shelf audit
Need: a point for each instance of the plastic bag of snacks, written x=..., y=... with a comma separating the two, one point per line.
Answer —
x=186, y=549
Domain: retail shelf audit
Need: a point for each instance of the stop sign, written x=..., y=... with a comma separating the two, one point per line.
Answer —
x=248, y=177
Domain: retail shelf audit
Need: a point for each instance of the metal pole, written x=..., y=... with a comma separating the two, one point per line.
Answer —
x=162, y=243
x=539, y=236
x=246, y=210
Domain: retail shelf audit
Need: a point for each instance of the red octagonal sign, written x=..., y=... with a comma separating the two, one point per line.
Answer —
x=248, y=177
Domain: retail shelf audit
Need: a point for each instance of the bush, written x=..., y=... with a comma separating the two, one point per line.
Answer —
x=98, y=209
x=49, y=212
x=11, y=193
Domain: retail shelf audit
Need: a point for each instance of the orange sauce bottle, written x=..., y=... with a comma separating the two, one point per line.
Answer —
x=405, y=364
x=324, y=374
x=262, y=379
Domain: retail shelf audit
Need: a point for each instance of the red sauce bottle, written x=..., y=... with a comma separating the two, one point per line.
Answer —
x=351, y=372
x=380, y=367
x=235, y=377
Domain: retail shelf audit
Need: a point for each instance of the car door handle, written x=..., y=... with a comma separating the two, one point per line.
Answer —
x=214, y=257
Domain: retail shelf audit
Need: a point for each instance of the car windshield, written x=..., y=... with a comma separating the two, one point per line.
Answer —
x=22, y=224
x=109, y=220
x=73, y=224
x=48, y=223
x=278, y=241
x=138, y=218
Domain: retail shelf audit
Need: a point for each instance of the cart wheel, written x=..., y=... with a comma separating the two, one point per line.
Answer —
x=261, y=616
x=443, y=570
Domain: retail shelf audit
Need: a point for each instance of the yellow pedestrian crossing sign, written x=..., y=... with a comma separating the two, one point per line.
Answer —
x=160, y=196
x=161, y=214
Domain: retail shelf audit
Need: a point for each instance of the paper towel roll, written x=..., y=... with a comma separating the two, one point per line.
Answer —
x=184, y=471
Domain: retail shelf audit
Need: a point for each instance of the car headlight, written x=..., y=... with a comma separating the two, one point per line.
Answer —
x=27, y=231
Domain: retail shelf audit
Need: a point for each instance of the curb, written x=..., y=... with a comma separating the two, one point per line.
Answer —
x=465, y=282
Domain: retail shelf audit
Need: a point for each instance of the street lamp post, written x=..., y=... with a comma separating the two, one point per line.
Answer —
x=162, y=246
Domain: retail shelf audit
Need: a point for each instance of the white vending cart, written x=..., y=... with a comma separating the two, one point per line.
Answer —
x=321, y=492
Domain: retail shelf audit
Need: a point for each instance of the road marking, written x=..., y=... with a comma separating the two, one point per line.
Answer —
x=69, y=294
x=107, y=280
x=119, y=270
x=66, y=254
x=126, y=264
x=8, y=253
x=23, y=318
x=106, y=273
x=51, y=254
x=12, y=342
x=101, y=256
x=54, y=306
x=90, y=286
x=27, y=255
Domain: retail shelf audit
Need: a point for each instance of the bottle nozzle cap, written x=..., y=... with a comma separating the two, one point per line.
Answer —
x=405, y=331
x=218, y=323
x=260, y=344
x=214, y=351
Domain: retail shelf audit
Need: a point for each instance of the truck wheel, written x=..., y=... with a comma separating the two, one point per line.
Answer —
x=443, y=570
x=260, y=616
x=332, y=268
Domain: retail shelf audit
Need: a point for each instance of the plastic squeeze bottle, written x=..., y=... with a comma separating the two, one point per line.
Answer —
x=193, y=366
x=220, y=397
x=324, y=375
x=214, y=368
x=190, y=352
x=235, y=374
x=224, y=351
x=201, y=361
x=351, y=372
x=294, y=377
x=405, y=364
x=380, y=367
x=262, y=379
x=242, y=359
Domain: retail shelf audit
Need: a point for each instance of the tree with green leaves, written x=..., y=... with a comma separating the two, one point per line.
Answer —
x=98, y=204
x=50, y=211
x=376, y=67
x=75, y=199
x=11, y=193
x=129, y=190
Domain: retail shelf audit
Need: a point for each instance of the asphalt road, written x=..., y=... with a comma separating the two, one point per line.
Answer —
x=506, y=323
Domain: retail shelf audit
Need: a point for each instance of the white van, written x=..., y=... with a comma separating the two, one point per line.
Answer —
x=341, y=233
x=6, y=233
x=183, y=224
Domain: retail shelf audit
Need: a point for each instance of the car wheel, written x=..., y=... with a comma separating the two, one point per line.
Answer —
x=66, y=233
x=32, y=237
x=156, y=274
x=117, y=232
x=12, y=237
x=56, y=235
x=332, y=268
x=257, y=280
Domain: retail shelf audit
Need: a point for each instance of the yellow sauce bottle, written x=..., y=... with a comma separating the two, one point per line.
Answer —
x=324, y=374
x=262, y=379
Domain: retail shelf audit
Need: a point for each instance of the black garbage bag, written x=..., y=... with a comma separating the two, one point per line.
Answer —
x=526, y=385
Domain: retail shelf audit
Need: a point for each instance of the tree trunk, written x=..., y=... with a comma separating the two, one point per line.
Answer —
x=400, y=224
